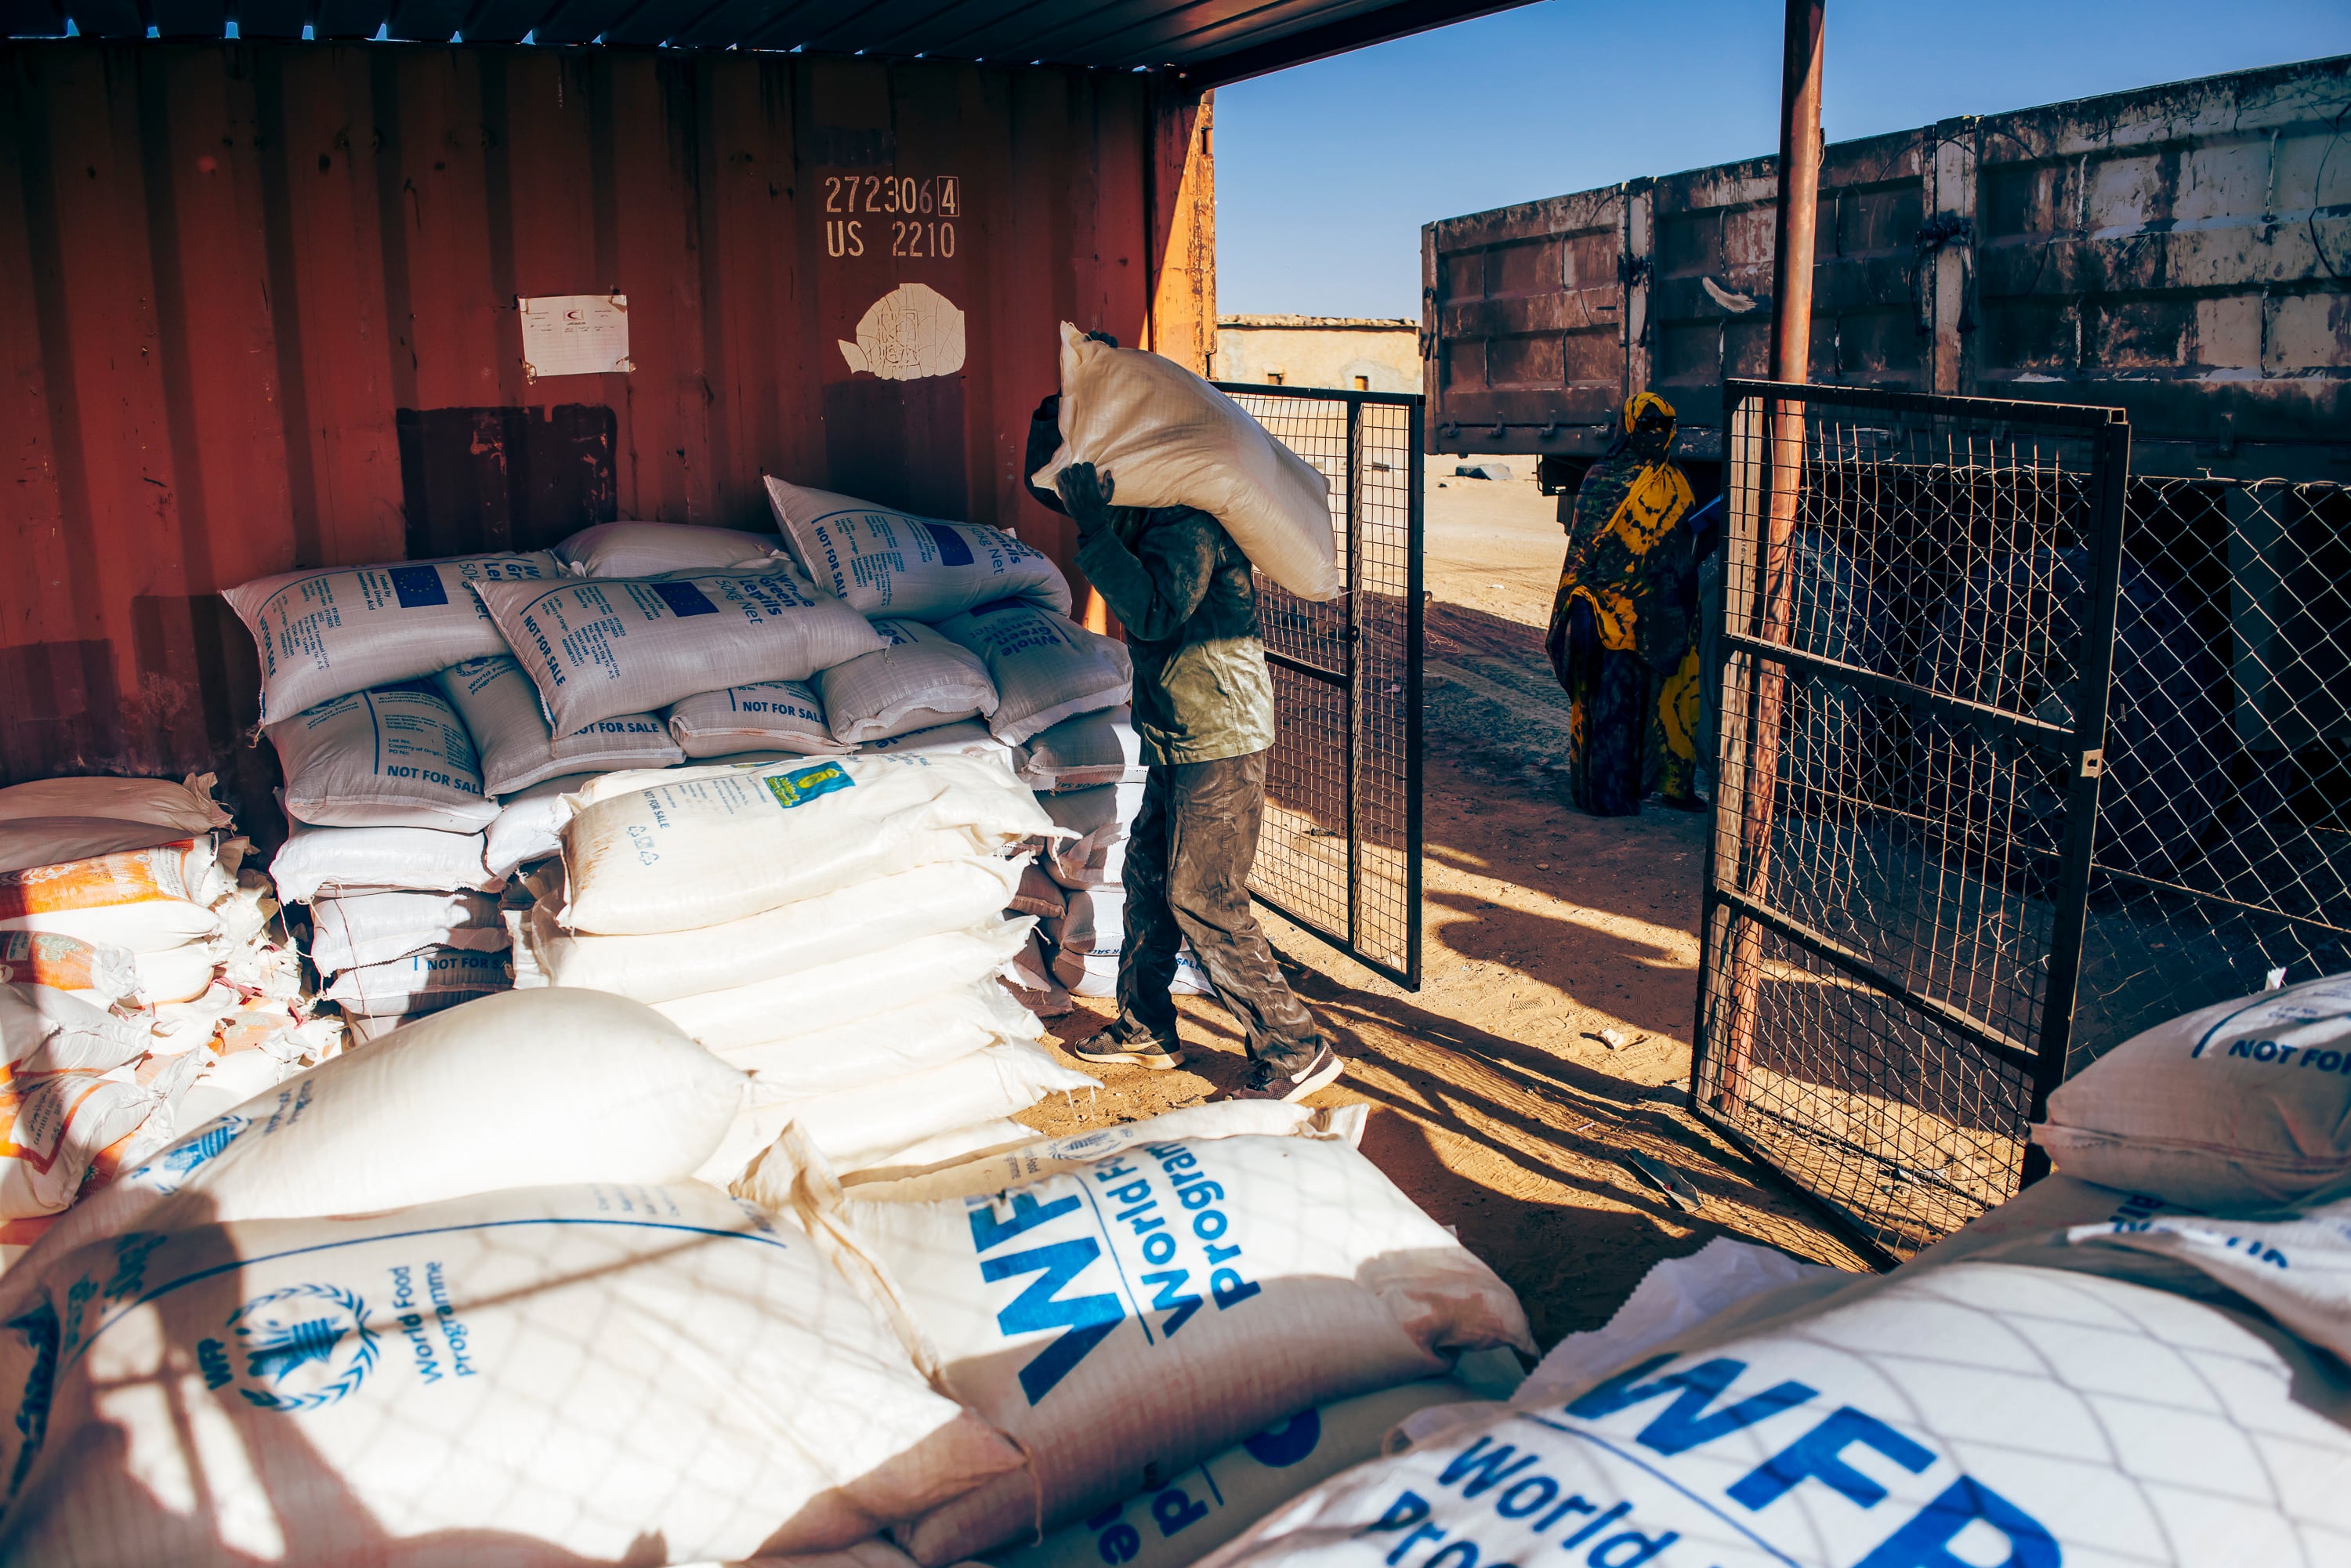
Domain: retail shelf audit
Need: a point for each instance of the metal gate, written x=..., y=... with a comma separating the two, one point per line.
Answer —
x=1917, y=650
x=1340, y=854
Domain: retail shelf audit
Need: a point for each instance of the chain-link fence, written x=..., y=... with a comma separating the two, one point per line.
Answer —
x=1917, y=591
x=1340, y=853
x=2224, y=835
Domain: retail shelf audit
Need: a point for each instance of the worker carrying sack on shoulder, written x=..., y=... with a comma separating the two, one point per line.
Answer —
x=2243, y=1105
x=649, y=549
x=1046, y=667
x=562, y=1373
x=331, y=631
x=720, y=844
x=394, y=757
x=1167, y=438
x=599, y=646
x=766, y=716
x=920, y=680
x=501, y=708
x=879, y=561
x=1129, y=1316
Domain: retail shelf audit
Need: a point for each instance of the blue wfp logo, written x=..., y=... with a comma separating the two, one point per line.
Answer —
x=302, y=1348
x=176, y=1164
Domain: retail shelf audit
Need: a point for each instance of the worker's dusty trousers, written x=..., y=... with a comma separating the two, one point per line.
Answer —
x=1188, y=867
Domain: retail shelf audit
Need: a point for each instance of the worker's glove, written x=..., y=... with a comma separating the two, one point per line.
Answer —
x=1085, y=494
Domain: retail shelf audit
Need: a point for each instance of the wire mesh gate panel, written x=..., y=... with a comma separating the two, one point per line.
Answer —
x=1919, y=597
x=1340, y=853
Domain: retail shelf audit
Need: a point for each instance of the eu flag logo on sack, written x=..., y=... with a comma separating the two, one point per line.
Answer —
x=418, y=587
x=684, y=599
x=799, y=789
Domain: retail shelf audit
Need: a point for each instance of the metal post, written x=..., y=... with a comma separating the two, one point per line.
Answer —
x=1355, y=662
x=1792, y=332
x=1416, y=477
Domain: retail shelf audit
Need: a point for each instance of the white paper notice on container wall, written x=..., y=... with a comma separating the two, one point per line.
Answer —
x=574, y=334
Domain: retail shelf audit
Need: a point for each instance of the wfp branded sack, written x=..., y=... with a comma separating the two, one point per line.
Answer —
x=345, y=862
x=422, y=982
x=919, y=682
x=328, y=631
x=562, y=1373
x=1046, y=666
x=766, y=716
x=724, y=843
x=1092, y=748
x=600, y=646
x=1979, y=1413
x=42, y=1029
x=68, y=963
x=649, y=549
x=501, y=708
x=1167, y=438
x=2296, y=1268
x=529, y=825
x=395, y=756
x=515, y=1090
x=882, y=1046
x=883, y=562
x=968, y=739
x=830, y=995
x=1176, y=1524
x=1128, y=1318
x=50, y=821
x=852, y=922
x=2246, y=1104
x=145, y=900
x=894, y=1123
x=378, y=927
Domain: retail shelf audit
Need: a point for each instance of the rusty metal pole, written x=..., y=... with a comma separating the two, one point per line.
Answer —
x=1796, y=211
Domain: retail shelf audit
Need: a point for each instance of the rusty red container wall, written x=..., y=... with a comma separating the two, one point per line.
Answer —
x=260, y=315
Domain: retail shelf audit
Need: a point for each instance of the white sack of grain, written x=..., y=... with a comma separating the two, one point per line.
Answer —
x=177, y=974
x=1099, y=865
x=1031, y=983
x=422, y=982
x=558, y=1374
x=884, y=562
x=2245, y=1104
x=882, y=1046
x=1039, y=894
x=1047, y=668
x=1167, y=438
x=48, y=821
x=148, y=900
x=501, y=708
x=341, y=862
x=1984, y=1412
x=529, y=825
x=649, y=549
x=725, y=843
x=327, y=632
x=1096, y=974
x=876, y=1124
x=378, y=927
x=515, y=1090
x=1099, y=747
x=766, y=716
x=839, y=993
x=919, y=682
x=54, y=1125
x=103, y=973
x=1092, y=921
x=43, y=1029
x=392, y=756
x=849, y=922
x=595, y=647
x=970, y=737
x=1281, y=1272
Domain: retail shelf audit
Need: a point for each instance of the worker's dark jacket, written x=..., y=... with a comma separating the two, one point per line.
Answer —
x=1184, y=592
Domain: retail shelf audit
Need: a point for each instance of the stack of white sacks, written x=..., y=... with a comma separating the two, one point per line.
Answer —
x=145, y=983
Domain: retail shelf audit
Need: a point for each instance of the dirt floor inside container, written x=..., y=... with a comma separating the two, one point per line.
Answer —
x=1497, y=1104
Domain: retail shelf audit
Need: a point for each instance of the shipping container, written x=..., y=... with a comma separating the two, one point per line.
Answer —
x=2180, y=251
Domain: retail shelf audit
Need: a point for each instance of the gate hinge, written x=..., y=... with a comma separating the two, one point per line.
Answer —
x=2094, y=763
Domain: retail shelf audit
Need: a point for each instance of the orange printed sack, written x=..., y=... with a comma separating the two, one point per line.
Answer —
x=177, y=870
x=68, y=963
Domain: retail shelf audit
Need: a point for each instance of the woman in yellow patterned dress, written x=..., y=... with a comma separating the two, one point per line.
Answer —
x=1620, y=638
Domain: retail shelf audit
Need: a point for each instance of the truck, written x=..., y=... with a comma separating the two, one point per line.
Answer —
x=2180, y=251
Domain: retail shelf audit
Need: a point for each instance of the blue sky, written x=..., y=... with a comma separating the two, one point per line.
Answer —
x=1325, y=173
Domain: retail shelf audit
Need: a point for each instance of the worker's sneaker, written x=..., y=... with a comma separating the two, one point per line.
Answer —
x=1266, y=1082
x=1115, y=1046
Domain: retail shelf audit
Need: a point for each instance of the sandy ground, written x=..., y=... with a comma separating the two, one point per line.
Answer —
x=1497, y=1104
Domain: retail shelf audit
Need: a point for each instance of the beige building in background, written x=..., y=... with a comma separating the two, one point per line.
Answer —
x=1352, y=353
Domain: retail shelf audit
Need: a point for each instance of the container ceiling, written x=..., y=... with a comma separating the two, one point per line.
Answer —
x=1205, y=42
